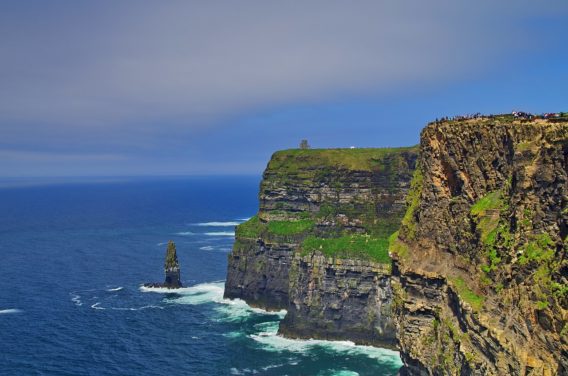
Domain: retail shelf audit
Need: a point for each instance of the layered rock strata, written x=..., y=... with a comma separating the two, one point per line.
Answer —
x=481, y=271
x=334, y=197
x=340, y=299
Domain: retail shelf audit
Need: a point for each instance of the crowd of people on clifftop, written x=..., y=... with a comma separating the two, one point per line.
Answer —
x=477, y=115
x=515, y=114
x=527, y=115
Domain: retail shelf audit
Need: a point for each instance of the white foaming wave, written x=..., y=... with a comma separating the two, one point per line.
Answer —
x=345, y=373
x=220, y=233
x=217, y=224
x=207, y=248
x=163, y=290
x=203, y=293
x=75, y=298
x=97, y=306
x=116, y=289
x=273, y=342
x=243, y=219
x=237, y=309
x=185, y=233
x=9, y=310
x=235, y=334
x=136, y=309
x=244, y=371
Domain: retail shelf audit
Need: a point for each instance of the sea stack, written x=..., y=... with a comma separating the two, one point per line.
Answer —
x=171, y=268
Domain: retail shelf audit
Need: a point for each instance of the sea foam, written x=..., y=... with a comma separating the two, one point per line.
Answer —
x=203, y=293
x=218, y=224
x=220, y=233
x=10, y=310
x=271, y=341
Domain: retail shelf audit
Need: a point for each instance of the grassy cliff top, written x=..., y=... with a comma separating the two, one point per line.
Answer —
x=357, y=159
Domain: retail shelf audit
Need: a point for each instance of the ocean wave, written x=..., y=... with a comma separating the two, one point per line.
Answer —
x=204, y=293
x=75, y=298
x=217, y=224
x=244, y=371
x=9, y=310
x=207, y=248
x=243, y=219
x=116, y=289
x=271, y=341
x=136, y=309
x=220, y=233
x=163, y=290
x=185, y=233
x=97, y=306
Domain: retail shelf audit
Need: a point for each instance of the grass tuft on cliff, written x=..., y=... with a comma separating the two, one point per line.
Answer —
x=396, y=246
x=290, y=227
x=250, y=229
x=412, y=203
x=467, y=295
x=350, y=246
x=254, y=227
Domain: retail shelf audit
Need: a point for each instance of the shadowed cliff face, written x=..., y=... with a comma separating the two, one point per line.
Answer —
x=481, y=269
x=319, y=244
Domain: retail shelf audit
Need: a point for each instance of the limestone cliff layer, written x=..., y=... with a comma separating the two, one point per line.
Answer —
x=481, y=269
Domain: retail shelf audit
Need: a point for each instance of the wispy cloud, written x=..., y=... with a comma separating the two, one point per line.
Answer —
x=94, y=75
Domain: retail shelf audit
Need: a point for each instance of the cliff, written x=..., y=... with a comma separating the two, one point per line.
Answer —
x=480, y=259
x=319, y=244
x=478, y=281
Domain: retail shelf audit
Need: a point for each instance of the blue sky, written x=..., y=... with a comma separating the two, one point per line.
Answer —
x=108, y=88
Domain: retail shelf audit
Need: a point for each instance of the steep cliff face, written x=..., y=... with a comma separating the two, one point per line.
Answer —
x=481, y=269
x=258, y=273
x=318, y=246
x=340, y=299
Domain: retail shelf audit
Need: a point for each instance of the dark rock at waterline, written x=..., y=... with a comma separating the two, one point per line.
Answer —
x=171, y=269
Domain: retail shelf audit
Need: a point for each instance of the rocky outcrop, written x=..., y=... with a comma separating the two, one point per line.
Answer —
x=481, y=269
x=171, y=269
x=258, y=273
x=302, y=252
x=340, y=299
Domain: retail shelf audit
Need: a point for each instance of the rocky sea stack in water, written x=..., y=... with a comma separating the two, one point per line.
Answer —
x=171, y=268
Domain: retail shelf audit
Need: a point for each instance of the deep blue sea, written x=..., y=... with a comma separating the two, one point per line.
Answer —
x=74, y=255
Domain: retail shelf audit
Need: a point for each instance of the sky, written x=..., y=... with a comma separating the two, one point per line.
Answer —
x=137, y=88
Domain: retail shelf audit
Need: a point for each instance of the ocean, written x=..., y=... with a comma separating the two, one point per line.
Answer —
x=73, y=257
